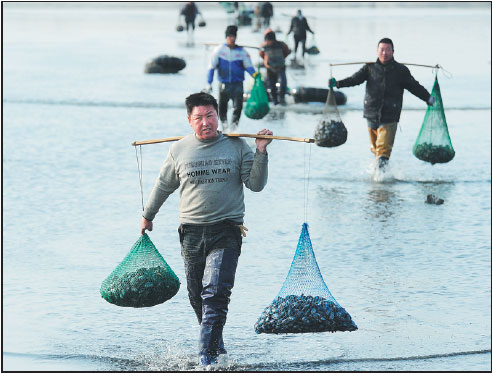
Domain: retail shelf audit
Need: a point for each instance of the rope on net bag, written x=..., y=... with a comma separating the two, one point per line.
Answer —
x=330, y=131
x=433, y=143
x=143, y=278
x=304, y=304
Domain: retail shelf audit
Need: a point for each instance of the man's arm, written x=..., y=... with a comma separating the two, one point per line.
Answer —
x=413, y=86
x=291, y=26
x=285, y=49
x=255, y=172
x=212, y=65
x=247, y=63
x=356, y=79
x=307, y=27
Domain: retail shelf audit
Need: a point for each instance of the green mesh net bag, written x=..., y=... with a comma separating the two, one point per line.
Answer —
x=257, y=105
x=142, y=279
x=330, y=131
x=304, y=304
x=433, y=143
x=313, y=49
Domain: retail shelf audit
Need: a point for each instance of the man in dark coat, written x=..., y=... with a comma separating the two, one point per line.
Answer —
x=274, y=53
x=386, y=80
x=190, y=12
x=266, y=12
x=299, y=27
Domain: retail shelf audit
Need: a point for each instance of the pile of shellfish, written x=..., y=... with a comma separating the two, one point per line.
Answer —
x=434, y=153
x=303, y=314
x=330, y=133
x=145, y=287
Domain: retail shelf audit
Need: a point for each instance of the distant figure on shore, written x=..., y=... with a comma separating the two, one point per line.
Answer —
x=274, y=53
x=231, y=62
x=266, y=12
x=386, y=80
x=258, y=18
x=190, y=12
x=299, y=27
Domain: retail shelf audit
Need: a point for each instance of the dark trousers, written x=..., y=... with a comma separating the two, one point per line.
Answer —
x=297, y=40
x=234, y=92
x=190, y=24
x=210, y=254
x=273, y=77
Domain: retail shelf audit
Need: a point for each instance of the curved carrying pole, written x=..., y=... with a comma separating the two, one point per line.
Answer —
x=176, y=138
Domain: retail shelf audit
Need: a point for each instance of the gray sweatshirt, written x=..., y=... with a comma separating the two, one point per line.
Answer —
x=210, y=175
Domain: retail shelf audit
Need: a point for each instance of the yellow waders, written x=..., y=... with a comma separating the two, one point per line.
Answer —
x=382, y=139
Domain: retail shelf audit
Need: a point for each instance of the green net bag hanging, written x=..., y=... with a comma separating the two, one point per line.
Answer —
x=433, y=143
x=142, y=279
x=304, y=304
x=257, y=105
x=313, y=49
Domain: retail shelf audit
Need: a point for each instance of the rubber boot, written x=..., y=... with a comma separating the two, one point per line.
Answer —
x=382, y=162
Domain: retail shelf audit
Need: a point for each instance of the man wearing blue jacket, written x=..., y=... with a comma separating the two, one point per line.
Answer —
x=231, y=61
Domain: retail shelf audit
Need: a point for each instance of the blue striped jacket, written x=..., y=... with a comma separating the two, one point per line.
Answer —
x=230, y=64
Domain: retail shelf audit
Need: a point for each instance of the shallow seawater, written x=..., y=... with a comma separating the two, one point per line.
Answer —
x=415, y=277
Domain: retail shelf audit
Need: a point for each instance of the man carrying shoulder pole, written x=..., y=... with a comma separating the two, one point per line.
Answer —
x=210, y=170
x=386, y=80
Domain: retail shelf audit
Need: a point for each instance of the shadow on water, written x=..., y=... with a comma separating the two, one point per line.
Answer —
x=382, y=201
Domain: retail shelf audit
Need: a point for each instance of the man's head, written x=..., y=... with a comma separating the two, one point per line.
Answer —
x=202, y=115
x=385, y=50
x=299, y=14
x=231, y=35
x=269, y=35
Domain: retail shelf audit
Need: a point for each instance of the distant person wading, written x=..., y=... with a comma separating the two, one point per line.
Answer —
x=190, y=12
x=299, y=27
x=386, y=80
x=274, y=53
x=231, y=61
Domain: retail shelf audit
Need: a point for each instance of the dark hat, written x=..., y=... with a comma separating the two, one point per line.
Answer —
x=231, y=30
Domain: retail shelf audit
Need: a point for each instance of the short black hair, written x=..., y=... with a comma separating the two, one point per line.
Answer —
x=200, y=99
x=231, y=30
x=386, y=41
x=270, y=36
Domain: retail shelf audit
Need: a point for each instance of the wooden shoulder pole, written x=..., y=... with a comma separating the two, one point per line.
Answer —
x=176, y=138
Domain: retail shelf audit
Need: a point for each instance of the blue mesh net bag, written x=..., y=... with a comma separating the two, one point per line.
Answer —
x=304, y=304
x=142, y=279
